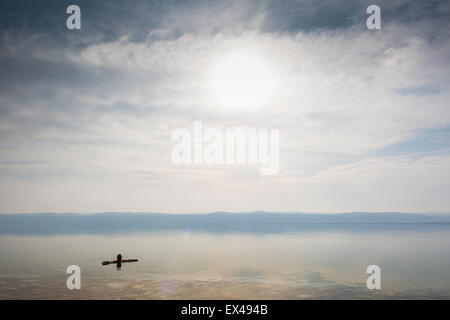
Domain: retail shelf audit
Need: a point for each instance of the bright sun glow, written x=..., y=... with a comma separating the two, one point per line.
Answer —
x=242, y=81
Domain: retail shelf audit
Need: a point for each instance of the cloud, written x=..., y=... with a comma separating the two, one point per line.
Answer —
x=99, y=111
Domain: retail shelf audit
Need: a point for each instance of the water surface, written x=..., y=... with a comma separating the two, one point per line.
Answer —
x=319, y=263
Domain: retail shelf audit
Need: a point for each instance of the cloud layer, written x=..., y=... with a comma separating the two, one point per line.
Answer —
x=86, y=118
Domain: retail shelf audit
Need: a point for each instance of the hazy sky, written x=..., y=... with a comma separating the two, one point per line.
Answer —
x=86, y=115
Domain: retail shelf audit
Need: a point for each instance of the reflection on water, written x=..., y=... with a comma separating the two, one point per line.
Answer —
x=198, y=265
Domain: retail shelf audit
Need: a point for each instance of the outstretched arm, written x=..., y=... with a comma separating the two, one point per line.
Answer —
x=115, y=261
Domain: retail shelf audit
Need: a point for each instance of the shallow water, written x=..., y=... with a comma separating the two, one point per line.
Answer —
x=317, y=264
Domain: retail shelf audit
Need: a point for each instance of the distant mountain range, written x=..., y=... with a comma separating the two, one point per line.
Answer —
x=257, y=222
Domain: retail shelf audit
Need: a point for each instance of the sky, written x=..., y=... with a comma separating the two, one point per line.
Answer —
x=86, y=116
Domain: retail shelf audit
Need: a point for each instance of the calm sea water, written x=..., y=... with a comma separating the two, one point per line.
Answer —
x=317, y=264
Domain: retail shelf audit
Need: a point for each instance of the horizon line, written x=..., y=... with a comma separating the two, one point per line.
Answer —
x=224, y=212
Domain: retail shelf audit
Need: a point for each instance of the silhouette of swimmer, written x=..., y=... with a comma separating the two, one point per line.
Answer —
x=119, y=261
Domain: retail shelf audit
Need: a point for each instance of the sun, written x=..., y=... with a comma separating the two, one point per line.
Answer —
x=242, y=81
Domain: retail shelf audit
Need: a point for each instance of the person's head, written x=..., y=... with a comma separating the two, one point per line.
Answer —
x=119, y=257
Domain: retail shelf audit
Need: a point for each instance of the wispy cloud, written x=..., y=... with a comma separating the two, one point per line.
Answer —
x=86, y=118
